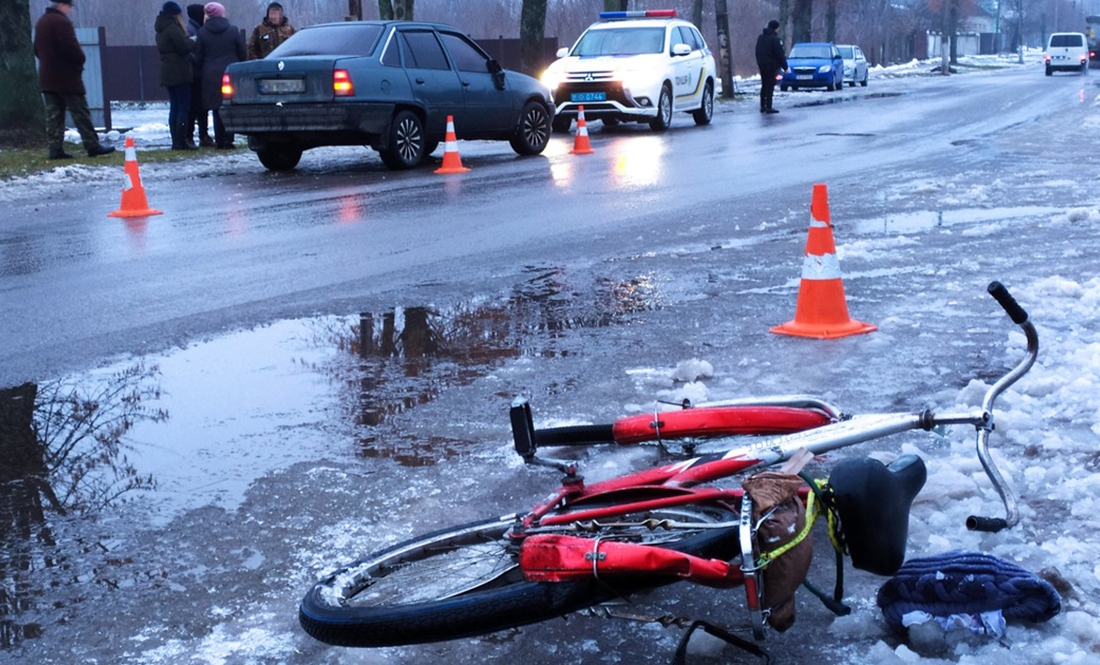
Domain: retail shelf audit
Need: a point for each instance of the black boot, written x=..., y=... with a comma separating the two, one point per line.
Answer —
x=58, y=152
x=182, y=138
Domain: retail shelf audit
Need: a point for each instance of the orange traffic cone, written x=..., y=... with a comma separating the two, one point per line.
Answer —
x=134, y=203
x=581, y=146
x=452, y=163
x=822, y=311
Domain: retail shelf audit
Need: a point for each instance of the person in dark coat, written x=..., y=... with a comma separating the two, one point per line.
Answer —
x=60, y=77
x=199, y=117
x=771, y=60
x=219, y=45
x=175, y=48
x=272, y=31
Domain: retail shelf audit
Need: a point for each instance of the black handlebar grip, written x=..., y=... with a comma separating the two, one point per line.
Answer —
x=1001, y=295
x=987, y=524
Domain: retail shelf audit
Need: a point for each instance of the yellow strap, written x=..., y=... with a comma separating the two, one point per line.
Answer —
x=811, y=517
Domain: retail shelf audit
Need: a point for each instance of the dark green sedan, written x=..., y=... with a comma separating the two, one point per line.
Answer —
x=389, y=85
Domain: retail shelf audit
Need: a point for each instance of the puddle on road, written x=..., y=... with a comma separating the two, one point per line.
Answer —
x=242, y=406
x=925, y=220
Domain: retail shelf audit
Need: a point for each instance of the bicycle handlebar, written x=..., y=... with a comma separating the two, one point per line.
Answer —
x=1020, y=318
x=1002, y=296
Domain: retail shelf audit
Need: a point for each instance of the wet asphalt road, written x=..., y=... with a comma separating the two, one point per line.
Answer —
x=653, y=250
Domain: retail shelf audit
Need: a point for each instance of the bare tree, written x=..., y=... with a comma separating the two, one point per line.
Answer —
x=395, y=10
x=802, y=21
x=22, y=118
x=532, y=24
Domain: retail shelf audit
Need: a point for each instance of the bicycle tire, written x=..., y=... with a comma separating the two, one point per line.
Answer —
x=330, y=612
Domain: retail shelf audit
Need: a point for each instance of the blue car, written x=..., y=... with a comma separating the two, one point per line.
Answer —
x=813, y=65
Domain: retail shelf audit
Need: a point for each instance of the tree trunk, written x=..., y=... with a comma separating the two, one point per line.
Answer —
x=697, y=14
x=830, y=21
x=725, y=63
x=22, y=116
x=803, y=14
x=614, y=5
x=395, y=10
x=532, y=25
x=784, y=21
x=953, y=31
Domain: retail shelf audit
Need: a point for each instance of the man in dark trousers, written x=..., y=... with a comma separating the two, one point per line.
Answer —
x=771, y=60
x=60, y=77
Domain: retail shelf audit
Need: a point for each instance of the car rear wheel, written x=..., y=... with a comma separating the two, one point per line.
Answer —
x=533, y=131
x=664, y=110
x=277, y=157
x=705, y=112
x=407, y=142
x=863, y=83
x=783, y=88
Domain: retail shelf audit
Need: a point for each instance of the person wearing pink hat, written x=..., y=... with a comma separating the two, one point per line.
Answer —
x=219, y=44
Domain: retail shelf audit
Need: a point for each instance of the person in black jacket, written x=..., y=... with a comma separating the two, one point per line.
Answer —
x=175, y=48
x=219, y=45
x=771, y=60
x=199, y=117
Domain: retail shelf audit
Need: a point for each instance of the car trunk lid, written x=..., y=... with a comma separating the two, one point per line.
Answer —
x=270, y=81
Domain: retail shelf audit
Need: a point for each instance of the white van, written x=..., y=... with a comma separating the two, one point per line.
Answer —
x=1067, y=51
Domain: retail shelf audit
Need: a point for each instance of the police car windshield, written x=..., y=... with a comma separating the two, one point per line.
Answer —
x=805, y=51
x=846, y=52
x=621, y=41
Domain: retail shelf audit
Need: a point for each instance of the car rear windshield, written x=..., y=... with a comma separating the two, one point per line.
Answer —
x=1065, y=40
x=331, y=40
x=621, y=41
x=804, y=51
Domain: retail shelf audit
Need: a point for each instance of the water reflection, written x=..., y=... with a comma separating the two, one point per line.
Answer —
x=408, y=356
x=62, y=451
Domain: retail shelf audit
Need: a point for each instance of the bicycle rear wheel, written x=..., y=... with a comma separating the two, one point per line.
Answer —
x=466, y=581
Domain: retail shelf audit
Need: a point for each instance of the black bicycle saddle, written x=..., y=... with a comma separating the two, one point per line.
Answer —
x=873, y=502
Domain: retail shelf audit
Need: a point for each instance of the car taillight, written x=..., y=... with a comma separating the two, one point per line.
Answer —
x=341, y=83
x=227, y=87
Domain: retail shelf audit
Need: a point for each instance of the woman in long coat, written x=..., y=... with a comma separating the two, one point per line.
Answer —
x=219, y=44
x=175, y=47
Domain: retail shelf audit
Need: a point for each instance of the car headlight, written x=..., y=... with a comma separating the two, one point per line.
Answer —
x=825, y=69
x=639, y=79
x=552, y=78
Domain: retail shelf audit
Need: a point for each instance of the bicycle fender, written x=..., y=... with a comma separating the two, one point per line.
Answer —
x=716, y=421
x=554, y=558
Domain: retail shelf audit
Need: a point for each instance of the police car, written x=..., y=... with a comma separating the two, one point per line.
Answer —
x=634, y=66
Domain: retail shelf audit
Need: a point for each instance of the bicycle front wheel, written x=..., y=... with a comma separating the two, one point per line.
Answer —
x=466, y=581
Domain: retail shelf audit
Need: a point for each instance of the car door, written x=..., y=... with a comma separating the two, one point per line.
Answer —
x=435, y=85
x=686, y=68
x=838, y=67
x=860, y=73
x=488, y=101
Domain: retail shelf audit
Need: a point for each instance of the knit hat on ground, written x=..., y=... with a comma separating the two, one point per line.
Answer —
x=171, y=9
x=214, y=9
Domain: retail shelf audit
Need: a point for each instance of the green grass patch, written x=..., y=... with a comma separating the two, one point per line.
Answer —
x=16, y=162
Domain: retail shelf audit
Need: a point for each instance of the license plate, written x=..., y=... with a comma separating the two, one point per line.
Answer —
x=805, y=77
x=281, y=86
x=588, y=97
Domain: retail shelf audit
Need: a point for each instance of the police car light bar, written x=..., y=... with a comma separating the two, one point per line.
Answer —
x=649, y=13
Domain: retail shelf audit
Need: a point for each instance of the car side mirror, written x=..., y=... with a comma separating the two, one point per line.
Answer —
x=562, y=52
x=497, y=71
x=681, y=49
